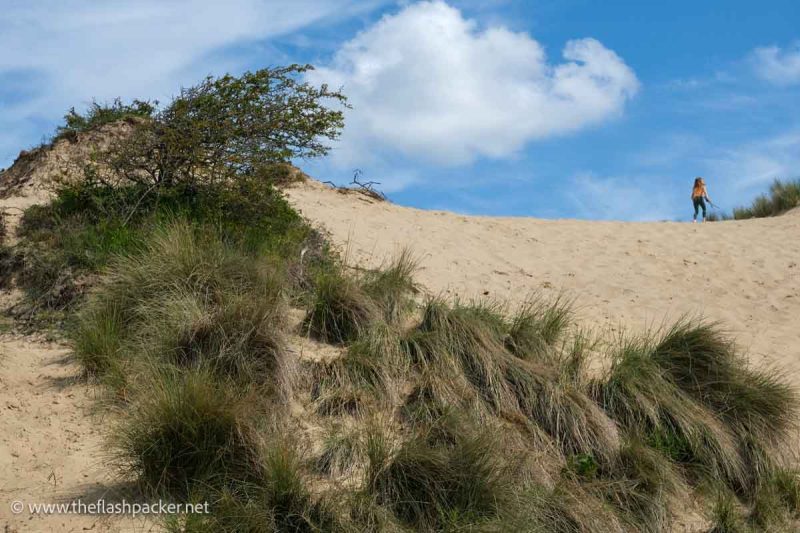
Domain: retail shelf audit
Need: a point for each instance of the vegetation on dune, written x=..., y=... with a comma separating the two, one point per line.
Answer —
x=100, y=114
x=191, y=280
x=782, y=196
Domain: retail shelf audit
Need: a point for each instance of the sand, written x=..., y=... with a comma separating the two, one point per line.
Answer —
x=51, y=430
x=744, y=274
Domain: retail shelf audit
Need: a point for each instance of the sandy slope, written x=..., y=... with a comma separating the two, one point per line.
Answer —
x=743, y=273
x=50, y=437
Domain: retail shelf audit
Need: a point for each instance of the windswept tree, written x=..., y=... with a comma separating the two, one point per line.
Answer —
x=230, y=127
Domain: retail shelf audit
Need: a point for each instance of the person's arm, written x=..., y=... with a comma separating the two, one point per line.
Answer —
x=705, y=193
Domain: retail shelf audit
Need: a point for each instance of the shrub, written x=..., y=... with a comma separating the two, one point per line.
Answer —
x=67, y=242
x=228, y=127
x=99, y=114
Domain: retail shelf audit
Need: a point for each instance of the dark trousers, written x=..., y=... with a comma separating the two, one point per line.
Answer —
x=699, y=203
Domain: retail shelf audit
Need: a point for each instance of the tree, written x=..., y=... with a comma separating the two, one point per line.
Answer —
x=229, y=127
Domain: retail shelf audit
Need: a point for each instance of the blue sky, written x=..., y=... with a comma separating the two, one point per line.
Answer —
x=570, y=108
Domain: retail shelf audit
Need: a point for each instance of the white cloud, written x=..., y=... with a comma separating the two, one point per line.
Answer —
x=74, y=50
x=428, y=83
x=752, y=166
x=777, y=65
x=620, y=198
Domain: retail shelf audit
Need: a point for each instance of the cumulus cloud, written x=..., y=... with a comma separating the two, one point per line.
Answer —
x=428, y=83
x=60, y=54
x=778, y=65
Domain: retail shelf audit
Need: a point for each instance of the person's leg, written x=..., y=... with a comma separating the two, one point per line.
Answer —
x=696, y=205
x=703, y=205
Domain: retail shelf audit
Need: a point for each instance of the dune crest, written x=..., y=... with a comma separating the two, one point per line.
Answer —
x=745, y=274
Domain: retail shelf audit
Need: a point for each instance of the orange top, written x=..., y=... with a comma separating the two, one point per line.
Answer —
x=699, y=191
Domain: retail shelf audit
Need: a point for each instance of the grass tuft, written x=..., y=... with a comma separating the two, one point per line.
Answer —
x=392, y=286
x=187, y=430
x=341, y=311
x=537, y=327
x=429, y=483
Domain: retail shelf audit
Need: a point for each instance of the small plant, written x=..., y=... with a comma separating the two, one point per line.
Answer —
x=429, y=483
x=99, y=114
x=757, y=406
x=186, y=431
x=726, y=517
x=583, y=465
x=783, y=196
x=288, y=497
x=537, y=327
x=392, y=286
x=641, y=485
x=341, y=311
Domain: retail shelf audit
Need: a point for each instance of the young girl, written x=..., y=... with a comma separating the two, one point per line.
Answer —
x=699, y=198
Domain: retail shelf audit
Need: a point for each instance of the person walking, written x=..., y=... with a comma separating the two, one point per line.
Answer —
x=699, y=198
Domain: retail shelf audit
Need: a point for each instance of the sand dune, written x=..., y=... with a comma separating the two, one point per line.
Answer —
x=745, y=274
x=51, y=443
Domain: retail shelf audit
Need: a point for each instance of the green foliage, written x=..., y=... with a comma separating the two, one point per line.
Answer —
x=187, y=431
x=726, y=517
x=783, y=196
x=341, y=311
x=429, y=482
x=640, y=485
x=228, y=127
x=8, y=257
x=287, y=495
x=537, y=327
x=392, y=286
x=757, y=406
x=89, y=224
x=280, y=502
x=363, y=373
x=187, y=300
x=583, y=465
x=99, y=114
x=641, y=396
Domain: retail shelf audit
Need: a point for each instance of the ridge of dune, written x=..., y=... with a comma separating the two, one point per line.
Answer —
x=636, y=275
